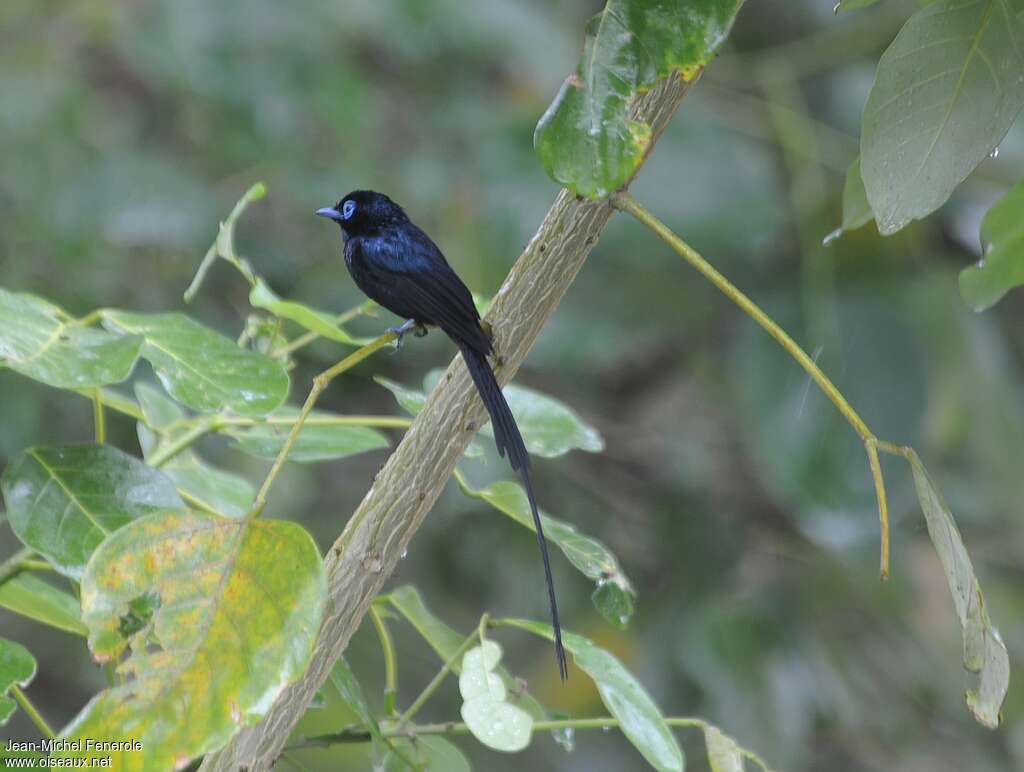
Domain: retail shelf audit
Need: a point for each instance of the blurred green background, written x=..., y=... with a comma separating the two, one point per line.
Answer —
x=735, y=497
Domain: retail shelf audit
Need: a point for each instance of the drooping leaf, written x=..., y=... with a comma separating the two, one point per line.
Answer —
x=406, y=600
x=319, y=440
x=351, y=692
x=550, y=428
x=856, y=210
x=36, y=599
x=723, y=753
x=219, y=615
x=984, y=651
x=1001, y=267
x=17, y=668
x=319, y=322
x=428, y=753
x=614, y=596
x=37, y=341
x=586, y=140
x=625, y=698
x=201, y=368
x=946, y=93
x=492, y=720
x=63, y=501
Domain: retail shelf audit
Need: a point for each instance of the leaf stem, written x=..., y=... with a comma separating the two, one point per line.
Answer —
x=319, y=384
x=31, y=712
x=430, y=688
x=98, y=417
x=186, y=440
x=115, y=402
x=387, y=646
x=625, y=202
x=383, y=421
x=14, y=564
x=459, y=727
x=306, y=338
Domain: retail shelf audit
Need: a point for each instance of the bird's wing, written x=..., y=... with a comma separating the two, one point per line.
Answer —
x=420, y=280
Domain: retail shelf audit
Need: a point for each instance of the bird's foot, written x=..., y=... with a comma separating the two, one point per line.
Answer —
x=410, y=325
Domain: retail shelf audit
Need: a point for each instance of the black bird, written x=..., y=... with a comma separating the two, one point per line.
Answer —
x=399, y=266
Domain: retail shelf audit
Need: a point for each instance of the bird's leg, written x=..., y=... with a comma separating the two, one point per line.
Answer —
x=418, y=330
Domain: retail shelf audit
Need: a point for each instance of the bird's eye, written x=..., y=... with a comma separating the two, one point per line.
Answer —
x=348, y=209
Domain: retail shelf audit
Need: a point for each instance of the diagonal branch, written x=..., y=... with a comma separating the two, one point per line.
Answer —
x=364, y=556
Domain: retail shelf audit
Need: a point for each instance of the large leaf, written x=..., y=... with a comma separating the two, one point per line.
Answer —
x=37, y=341
x=946, y=93
x=220, y=615
x=319, y=322
x=17, y=668
x=614, y=596
x=406, y=600
x=31, y=597
x=586, y=140
x=1001, y=267
x=493, y=720
x=319, y=440
x=201, y=368
x=63, y=501
x=984, y=651
x=639, y=718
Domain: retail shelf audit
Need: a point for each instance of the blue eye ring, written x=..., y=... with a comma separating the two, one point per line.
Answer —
x=348, y=209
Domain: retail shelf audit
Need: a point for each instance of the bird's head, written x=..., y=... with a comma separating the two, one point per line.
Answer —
x=364, y=212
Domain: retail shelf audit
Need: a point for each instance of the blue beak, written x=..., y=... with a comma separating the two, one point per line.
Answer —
x=330, y=213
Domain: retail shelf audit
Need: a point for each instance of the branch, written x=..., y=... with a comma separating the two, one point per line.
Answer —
x=403, y=492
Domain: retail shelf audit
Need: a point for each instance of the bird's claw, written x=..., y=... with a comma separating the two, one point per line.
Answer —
x=410, y=325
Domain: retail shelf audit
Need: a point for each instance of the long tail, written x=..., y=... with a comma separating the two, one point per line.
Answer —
x=508, y=439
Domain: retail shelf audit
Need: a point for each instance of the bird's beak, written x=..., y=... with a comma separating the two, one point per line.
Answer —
x=330, y=213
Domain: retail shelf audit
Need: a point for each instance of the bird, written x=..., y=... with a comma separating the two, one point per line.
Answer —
x=399, y=266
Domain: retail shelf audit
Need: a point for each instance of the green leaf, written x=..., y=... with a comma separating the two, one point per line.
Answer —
x=410, y=400
x=549, y=427
x=856, y=210
x=614, y=596
x=159, y=411
x=319, y=440
x=220, y=616
x=319, y=322
x=406, y=600
x=224, y=245
x=724, y=754
x=493, y=721
x=17, y=668
x=984, y=652
x=946, y=93
x=1002, y=266
x=63, y=501
x=352, y=695
x=431, y=753
x=38, y=342
x=201, y=368
x=205, y=485
x=639, y=718
x=586, y=140
x=36, y=599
